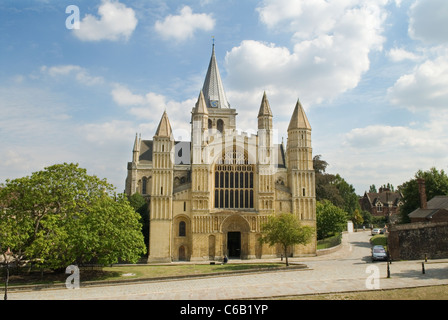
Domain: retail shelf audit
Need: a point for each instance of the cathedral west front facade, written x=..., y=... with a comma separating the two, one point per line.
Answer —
x=209, y=197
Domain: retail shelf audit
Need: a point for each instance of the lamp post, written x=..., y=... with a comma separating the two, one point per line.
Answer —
x=8, y=257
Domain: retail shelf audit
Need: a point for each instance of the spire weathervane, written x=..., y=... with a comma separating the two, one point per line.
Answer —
x=213, y=89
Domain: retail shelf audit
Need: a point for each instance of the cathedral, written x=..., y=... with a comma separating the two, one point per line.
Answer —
x=209, y=197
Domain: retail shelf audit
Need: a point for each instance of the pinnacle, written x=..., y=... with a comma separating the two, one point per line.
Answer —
x=299, y=119
x=164, y=128
x=265, y=109
x=201, y=106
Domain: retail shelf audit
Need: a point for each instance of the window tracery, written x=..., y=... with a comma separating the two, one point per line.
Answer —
x=234, y=181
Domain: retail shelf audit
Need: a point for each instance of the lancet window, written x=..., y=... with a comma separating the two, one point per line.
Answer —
x=234, y=181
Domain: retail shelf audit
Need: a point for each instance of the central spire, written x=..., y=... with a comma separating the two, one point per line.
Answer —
x=213, y=90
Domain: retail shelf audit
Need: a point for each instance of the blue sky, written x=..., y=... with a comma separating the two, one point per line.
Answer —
x=371, y=75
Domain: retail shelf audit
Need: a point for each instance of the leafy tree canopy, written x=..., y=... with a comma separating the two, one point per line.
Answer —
x=388, y=186
x=61, y=215
x=285, y=229
x=436, y=184
x=334, y=188
x=140, y=205
x=329, y=219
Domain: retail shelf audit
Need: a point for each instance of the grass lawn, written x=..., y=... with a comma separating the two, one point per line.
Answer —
x=133, y=272
x=329, y=242
x=158, y=271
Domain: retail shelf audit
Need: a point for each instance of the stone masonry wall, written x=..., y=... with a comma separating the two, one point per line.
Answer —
x=413, y=240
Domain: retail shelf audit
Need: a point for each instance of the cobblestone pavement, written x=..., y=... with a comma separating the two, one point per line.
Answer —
x=348, y=269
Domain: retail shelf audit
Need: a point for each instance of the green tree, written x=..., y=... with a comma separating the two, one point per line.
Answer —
x=140, y=205
x=334, y=188
x=348, y=194
x=388, y=186
x=372, y=189
x=325, y=188
x=357, y=218
x=329, y=219
x=436, y=183
x=107, y=232
x=61, y=215
x=319, y=165
x=367, y=217
x=285, y=229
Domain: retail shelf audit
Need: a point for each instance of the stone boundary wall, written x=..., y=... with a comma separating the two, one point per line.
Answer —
x=322, y=252
x=413, y=240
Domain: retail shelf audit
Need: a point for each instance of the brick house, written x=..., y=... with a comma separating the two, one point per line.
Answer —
x=385, y=203
x=434, y=210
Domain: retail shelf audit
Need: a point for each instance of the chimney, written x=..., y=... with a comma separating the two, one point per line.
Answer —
x=422, y=193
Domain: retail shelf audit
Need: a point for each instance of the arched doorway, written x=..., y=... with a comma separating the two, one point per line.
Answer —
x=234, y=244
x=235, y=231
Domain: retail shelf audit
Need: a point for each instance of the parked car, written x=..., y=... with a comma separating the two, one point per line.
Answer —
x=376, y=231
x=379, y=253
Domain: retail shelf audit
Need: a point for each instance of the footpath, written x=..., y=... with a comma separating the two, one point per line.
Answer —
x=346, y=270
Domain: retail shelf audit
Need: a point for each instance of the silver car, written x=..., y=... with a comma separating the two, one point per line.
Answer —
x=378, y=253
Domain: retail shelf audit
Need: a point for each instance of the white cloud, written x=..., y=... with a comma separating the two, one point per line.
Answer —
x=383, y=137
x=183, y=26
x=332, y=42
x=39, y=131
x=403, y=143
x=398, y=54
x=150, y=106
x=80, y=74
x=312, y=18
x=428, y=21
x=379, y=154
x=60, y=70
x=115, y=131
x=124, y=97
x=274, y=12
x=425, y=87
x=144, y=106
x=116, y=22
x=35, y=125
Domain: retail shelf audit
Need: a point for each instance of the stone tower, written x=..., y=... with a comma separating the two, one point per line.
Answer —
x=161, y=211
x=300, y=170
x=266, y=161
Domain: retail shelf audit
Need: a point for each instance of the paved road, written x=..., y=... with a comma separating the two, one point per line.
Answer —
x=348, y=269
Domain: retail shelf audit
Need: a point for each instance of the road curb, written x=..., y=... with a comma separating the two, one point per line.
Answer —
x=39, y=287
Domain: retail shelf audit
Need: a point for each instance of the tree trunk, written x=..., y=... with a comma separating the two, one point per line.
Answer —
x=6, y=281
x=286, y=255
